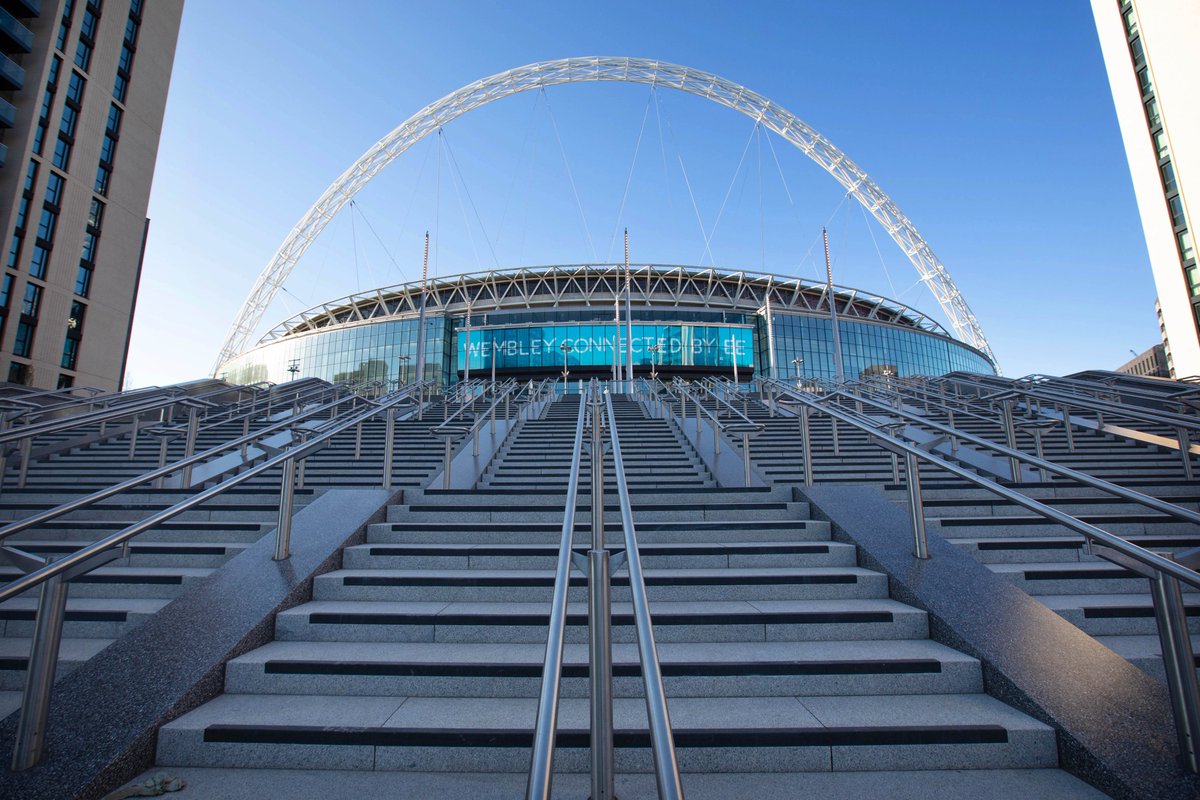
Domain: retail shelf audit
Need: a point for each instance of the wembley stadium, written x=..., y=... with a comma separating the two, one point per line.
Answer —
x=589, y=320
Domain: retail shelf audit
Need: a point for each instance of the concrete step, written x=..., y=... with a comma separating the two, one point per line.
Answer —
x=674, y=621
x=970, y=731
x=692, y=669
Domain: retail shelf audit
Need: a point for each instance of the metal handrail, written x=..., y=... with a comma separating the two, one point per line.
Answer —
x=1165, y=575
x=733, y=426
x=450, y=433
x=542, y=763
x=662, y=743
x=161, y=472
x=53, y=576
x=1042, y=464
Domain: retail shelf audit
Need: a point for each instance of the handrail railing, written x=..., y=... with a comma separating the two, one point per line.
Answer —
x=86, y=501
x=1165, y=575
x=542, y=764
x=745, y=428
x=662, y=743
x=53, y=576
x=451, y=430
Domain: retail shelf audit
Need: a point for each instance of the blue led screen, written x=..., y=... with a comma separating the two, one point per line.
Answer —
x=540, y=347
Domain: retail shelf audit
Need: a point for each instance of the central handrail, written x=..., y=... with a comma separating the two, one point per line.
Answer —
x=662, y=743
x=541, y=766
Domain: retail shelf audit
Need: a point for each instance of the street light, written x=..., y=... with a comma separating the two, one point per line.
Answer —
x=566, y=348
x=654, y=351
x=294, y=367
x=798, y=362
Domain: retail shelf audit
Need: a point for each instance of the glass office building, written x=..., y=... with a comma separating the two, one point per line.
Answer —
x=537, y=322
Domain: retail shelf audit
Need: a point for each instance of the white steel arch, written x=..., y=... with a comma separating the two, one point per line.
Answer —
x=626, y=70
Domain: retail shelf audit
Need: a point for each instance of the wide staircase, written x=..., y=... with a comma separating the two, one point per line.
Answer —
x=783, y=660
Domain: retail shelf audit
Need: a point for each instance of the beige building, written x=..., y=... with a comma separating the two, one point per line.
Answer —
x=83, y=87
x=1152, y=53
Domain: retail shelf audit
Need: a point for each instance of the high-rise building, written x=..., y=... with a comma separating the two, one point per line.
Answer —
x=83, y=87
x=1151, y=53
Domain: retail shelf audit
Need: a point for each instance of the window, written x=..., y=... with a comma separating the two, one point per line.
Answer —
x=1175, y=205
x=66, y=381
x=114, y=119
x=75, y=88
x=87, y=27
x=39, y=138
x=30, y=175
x=1161, y=146
x=38, y=261
x=75, y=321
x=83, y=280
x=14, y=251
x=103, y=175
x=1168, y=178
x=121, y=87
x=46, y=225
x=135, y=7
x=6, y=291
x=1153, y=117
x=83, y=55
x=18, y=372
x=67, y=126
x=1144, y=81
x=89, y=247
x=125, y=64
x=22, y=211
x=70, y=353
x=1139, y=55
x=108, y=149
x=32, y=301
x=96, y=214
x=62, y=154
x=131, y=30
x=54, y=185
x=1187, y=248
x=1131, y=26
x=23, y=343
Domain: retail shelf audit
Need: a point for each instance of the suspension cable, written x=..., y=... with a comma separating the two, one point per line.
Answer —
x=882, y=263
x=708, y=239
x=471, y=200
x=570, y=176
x=686, y=182
x=628, y=180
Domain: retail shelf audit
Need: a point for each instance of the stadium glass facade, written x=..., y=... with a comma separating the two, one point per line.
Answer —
x=376, y=339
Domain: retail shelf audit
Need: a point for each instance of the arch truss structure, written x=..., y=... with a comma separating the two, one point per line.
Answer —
x=624, y=70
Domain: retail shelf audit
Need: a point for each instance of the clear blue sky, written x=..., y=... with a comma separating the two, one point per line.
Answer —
x=989, y=124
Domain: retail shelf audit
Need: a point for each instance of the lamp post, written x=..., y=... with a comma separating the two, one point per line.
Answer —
x=404, y=368
x=798, y=362
x=566, y=349
x=654, y=350
x=293, y=367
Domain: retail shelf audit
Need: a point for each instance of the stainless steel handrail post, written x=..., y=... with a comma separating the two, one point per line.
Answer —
x=806, y=446
x=358, y=441
x=1185, y=451
x=39, y=677
x=189, y=443
x=662, y=743
x=1068, y=428
x=916, y=507
x=1171, y=616
x=600, y=625
x=746, y=456
x=446, y=460
x=287, y=493
x=389, y=446
x=1010, y=438
x=133, y=435
x=26, y=449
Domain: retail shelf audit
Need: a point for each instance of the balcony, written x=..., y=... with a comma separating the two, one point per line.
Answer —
x=11, y=74
x=23, y=8
x=14, y=37
x=8, y=114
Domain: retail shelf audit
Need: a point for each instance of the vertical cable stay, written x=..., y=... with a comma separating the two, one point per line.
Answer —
x=762, y=218
x=570, y=177
x=708, y=239
x=361, y=213
x=437, y=217
x=662, y=146
x=354, y=246
x=628, y=180
x=878, y=252
x=512, y=185
x=471, y=200
x=687, y=183
x=461, y=207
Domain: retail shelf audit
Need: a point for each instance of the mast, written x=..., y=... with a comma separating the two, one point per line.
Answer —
x=839, y=373
x=421, y=313
x=628, y=314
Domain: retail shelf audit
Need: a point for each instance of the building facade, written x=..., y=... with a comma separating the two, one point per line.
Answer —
x=537, y=322
x=83, y=88
x=1152, y=54
x=1150, y=364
